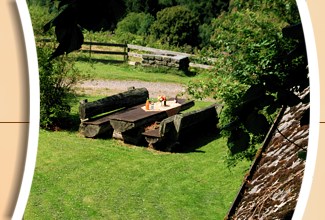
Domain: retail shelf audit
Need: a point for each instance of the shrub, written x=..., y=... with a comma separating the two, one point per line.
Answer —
x=135, y=23
x=176, y=26
x=253, y=74
x=134, y=27
x=39, y=16
x=56, y=78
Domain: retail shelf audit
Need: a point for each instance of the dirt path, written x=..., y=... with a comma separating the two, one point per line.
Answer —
x=109, y=87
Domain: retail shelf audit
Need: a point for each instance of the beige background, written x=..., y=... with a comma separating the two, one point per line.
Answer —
x=14, y=109
x=315, y=204
x=13, y=106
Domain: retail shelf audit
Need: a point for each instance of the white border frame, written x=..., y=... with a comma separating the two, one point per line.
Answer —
x=314, y=109
x=34, y=110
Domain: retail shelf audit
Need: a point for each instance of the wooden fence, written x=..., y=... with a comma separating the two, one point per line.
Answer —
x=100, y=48
x=92, y=50
x=125, y=51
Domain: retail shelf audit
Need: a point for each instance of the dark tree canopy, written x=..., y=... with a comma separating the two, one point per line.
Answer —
x=97, y=15
x=75, y=15
x=146, y=6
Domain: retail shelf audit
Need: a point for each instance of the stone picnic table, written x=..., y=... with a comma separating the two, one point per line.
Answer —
x=129, y=123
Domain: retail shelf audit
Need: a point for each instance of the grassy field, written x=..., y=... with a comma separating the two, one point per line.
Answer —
x=99, y=70
x=79, y=178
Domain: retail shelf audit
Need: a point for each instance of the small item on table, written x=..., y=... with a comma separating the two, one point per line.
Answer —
x=162, y=100
x=152, y=106
x=147, y=104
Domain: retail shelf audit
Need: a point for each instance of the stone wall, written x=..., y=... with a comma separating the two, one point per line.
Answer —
x=180, y=62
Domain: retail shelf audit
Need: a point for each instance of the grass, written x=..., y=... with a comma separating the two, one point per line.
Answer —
x=78, y=178
x=98, y=70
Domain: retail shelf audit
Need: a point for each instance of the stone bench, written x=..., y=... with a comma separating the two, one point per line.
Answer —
x=174, y=130
x=130, y=123
x=95, y=116
x=180, y=62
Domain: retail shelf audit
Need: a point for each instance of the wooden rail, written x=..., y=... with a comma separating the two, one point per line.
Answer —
x=105, y=50
x=156, y=51
x=126, y=48
x=124, y=53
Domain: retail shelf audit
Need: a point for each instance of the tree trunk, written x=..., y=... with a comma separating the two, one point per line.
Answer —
x=104, y=130
x=122, y=100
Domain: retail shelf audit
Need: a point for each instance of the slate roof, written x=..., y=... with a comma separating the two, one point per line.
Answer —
x=271, y=188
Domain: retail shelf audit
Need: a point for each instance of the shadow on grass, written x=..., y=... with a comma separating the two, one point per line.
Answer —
x=194, y=141
x=189, y=73
x=69, y=124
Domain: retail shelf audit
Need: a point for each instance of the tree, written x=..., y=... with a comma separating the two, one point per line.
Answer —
x=260, y=65
x=146, y=6
x=286, y=10
x=134, y=28
x=207, y=9
x=75, y=15
x=135, y=23
x=176, y=25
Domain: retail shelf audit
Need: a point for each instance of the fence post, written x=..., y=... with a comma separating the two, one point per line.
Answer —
x=91, y=40
x=126, y=52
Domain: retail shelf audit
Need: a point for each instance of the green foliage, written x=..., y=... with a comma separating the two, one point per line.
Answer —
x=177, y=28
x=38, y=2
x=98, y=36
x=252, y=40
x=286, y=10
x=206, y=9
x=146, y=6
x=56, y=78
x=176, y=25
x=134, y=25
x=205, y=32
x=39, y=16
x=254, y=73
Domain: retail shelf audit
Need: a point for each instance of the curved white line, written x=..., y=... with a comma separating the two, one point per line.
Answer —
x=34, y=109
x=314, y=110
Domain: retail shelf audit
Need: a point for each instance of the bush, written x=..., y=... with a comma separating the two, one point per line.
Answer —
x=176, y=26
x=135, y=23
x=56, y=78
x=134, y=27
x=286, y=10
x=39, y=16
x=253, y=74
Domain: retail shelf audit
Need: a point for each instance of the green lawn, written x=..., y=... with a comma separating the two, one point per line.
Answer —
x=99, y=70
x=79, y=178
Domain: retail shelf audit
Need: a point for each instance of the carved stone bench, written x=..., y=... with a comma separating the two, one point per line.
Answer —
x=95, y=116
x=173, y=130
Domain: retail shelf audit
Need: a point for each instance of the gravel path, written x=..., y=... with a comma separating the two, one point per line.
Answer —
x=109, y=87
